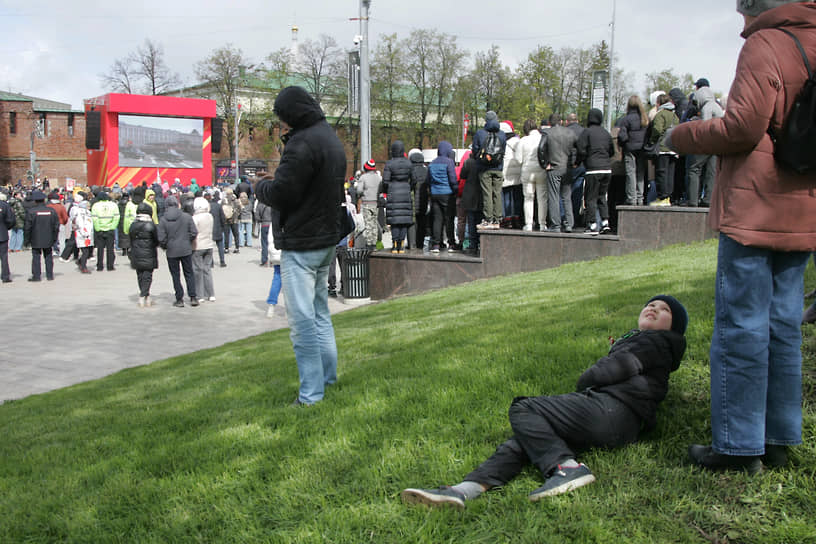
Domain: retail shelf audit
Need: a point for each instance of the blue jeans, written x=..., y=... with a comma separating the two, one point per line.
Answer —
x=756, y=361
x=275, y=288
x=244, y=235
x=15, y=239
x=305, y=277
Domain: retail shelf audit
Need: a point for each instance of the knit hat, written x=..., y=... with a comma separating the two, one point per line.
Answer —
x=702, y=82
x=37, y=196
x=370, y=165
x=491, y=116
x=145, y=209
x=752, y=8
x=171, y=202
x=679, y=314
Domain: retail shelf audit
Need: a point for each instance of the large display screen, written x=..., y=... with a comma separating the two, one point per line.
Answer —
x=160, y=142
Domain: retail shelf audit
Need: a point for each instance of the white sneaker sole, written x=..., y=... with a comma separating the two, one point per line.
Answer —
x=563, y=488
x=420, y=496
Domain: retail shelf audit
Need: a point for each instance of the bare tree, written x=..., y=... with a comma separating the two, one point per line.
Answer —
x=445, y=72
x=150, y=65
x=120, y=77
x=222, y=72
x=279, y=67
x=418, y=66
x=323, y=63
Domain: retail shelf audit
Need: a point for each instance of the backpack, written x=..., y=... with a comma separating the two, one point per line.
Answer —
x=650, y=149
x=229, y=211
x=794, y=144
x=543, y=152
x=83, y=224
x=491, y=153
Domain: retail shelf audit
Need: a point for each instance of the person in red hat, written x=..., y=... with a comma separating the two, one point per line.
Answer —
x=367, y=188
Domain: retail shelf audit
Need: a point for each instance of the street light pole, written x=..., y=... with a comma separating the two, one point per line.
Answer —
x=611, y=71
x=237, y=120
x=365, y=87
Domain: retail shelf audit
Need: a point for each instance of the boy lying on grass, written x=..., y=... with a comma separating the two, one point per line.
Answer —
x=615, y=398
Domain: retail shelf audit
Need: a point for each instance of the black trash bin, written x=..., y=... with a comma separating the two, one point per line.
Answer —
x=355, y=271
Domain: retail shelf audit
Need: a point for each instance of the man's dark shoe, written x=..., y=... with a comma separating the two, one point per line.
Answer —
x=709, y=459
x=223, y=265
x=775, y=456
x=6, y=281
x=193, y=301
x=563, y=479
x=179, y=304
x=441, y=496
x=50, y=279
x=32, y=278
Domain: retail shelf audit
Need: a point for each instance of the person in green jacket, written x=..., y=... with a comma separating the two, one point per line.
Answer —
x=105, y=216
x=664, y=165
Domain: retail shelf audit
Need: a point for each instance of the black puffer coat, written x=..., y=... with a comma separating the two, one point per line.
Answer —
x=144, y=239
x=398, y=184
x=632, y=132
x=307, y=187
x=420, y=174
x=636, y=370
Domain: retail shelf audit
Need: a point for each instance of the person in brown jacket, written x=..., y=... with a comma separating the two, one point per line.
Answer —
x=766, y=217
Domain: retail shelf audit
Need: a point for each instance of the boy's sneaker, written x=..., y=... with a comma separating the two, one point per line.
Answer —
x=435, y=248
x=442, y=496
x=484, y=224
x=563, y=479
x=142, y=302
x=179, y=304
x=606, y=229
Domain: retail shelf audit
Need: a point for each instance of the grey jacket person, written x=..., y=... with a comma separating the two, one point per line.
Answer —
x=562, y=144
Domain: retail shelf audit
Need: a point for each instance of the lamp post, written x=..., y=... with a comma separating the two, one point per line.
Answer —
x=365, y=86
x=610, y=92
x=237, y=120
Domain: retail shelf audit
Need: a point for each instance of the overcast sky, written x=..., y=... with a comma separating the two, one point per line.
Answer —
x=57, y=49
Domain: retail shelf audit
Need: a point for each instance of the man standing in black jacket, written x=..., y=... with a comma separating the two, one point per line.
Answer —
x=307, y=190
x=176, y=234
x=7, y=221
x=614, y=399
x=41, y=231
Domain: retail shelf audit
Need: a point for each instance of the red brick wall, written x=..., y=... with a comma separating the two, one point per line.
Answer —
x=59, y=154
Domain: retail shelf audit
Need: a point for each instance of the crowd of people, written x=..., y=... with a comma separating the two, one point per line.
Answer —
x=196, y=226
x=554, y=176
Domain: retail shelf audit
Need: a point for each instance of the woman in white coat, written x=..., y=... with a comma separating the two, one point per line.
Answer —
x=533, y=177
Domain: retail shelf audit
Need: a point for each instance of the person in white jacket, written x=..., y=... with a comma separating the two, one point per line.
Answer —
x=533, y=177
x=511, y=170
x=203, y=250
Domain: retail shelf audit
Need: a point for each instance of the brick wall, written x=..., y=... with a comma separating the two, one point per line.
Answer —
x=60, y=153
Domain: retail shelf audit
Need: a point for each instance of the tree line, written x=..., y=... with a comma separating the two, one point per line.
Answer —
x=422, y=85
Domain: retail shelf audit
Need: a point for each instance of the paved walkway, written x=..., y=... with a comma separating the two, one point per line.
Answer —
x=83, y=327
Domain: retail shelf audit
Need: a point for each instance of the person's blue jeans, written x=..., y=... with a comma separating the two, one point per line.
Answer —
x=245, y=234
x=264, y=243
x=305, y=277
x=275, y=288
x=15, y=239
x=756, y=361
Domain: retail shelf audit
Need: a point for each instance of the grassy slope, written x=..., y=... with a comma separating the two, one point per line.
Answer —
x=205, y=448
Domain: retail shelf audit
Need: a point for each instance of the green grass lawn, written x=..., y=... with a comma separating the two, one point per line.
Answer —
x=205, y=447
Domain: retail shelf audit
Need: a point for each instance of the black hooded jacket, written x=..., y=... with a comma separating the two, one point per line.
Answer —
x=307, y=187
x=397, y=184
x=144, y=239
x=595, y=147
x=636, y=370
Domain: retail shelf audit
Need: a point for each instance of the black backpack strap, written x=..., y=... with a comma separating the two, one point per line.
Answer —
x=801, y=50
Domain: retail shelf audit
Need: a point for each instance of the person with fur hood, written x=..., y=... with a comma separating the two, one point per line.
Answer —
x=144, y=259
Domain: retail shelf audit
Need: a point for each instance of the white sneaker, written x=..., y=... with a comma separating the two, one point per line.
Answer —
x=270, y=311
x=142, y=302
x=528, y=228
x=211, y=299
x=64, y=260
x=147, y=301
x=202, y=300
